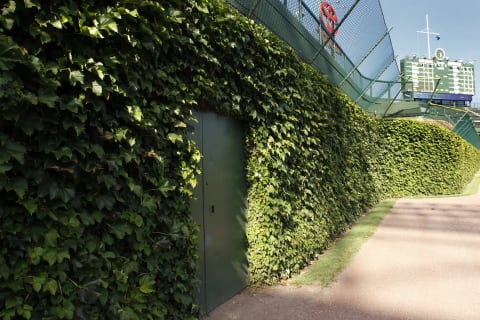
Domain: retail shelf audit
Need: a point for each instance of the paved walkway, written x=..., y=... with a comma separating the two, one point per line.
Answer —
x=423, y=262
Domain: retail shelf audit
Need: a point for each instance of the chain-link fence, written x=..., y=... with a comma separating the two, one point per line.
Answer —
x=349, y=42
x=346, y=39
x=459, y=120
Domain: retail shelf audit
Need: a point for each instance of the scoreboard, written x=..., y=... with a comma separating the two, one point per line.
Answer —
x=450, y=82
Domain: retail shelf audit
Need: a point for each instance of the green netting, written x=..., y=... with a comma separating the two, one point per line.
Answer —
x=355, y=52
x=459, y=120
x=353, y=48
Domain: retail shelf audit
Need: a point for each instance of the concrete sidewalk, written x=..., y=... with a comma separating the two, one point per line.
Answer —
x=423, y=262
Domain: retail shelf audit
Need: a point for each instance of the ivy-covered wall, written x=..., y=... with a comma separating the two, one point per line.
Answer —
x=96, y=167
x=417, y=158
x=310, y=177
x=95, y=172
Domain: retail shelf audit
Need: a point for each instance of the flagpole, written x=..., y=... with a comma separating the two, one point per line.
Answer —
x=427, y=31
x=428, y=37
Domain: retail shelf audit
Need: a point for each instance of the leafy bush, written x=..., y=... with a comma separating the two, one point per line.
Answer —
x=96, y=167
x=422, y=159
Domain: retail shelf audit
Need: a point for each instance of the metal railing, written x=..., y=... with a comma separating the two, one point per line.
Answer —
x=347, y=40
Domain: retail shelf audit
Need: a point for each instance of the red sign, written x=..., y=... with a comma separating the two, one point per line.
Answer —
x=328, y=17
x=329, y=20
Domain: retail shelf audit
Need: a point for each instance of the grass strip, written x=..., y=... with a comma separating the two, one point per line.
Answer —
x=326, y=269
x=328, y=266
x=472, y=187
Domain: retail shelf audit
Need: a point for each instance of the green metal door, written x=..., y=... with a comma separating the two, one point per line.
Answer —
x=220, y=209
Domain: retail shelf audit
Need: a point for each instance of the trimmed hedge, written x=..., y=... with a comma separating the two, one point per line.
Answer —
x=422, y=159
x=96, y=165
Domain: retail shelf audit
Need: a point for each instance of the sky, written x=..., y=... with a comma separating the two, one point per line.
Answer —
x=456, y=21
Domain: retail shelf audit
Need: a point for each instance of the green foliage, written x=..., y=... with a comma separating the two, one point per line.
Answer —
x=309, y=175
x=422, y=159
x=325, y=270
x=96, y=167
x=95, y=178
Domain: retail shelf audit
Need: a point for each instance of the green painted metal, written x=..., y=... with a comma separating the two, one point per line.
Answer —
x=459, y=119
x=360, y=27
x=330, y=35
x=366, y=56
x=220, y=209
x=252, y=9
x=376, y=78
x=439, y=76
x=360, y=57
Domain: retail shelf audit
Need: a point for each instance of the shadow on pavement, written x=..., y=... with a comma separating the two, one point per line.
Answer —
x=423, y=262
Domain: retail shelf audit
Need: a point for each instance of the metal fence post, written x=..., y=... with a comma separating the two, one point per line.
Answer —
x=252, y=9
x=366, y=56
x=376, y=78
x=334, y=31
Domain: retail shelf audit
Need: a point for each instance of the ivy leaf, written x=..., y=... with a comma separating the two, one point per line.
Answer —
x=76, y=76
x=62, y=255
x=165, y=187
x=4, y=168
x=97, y=88
x=66, y=310
x=25, y=311
x=31, y=4
x=50, y=286
x=11, y=302
x=15, y=150
x=121, y=230
x=175, y=137
x=133, y=13
x=92, y=31
x=128, y=314
x=202, y=9
x=50, y=255
x=9, y=8
x=47, y=99
x=51, y=238
x=8, y=23
x=98, y=150
x=138, y=220
x=58, y=192
x=148, y=202
x=35, y=255
x=147, y=284
x=135, y=112
x=63, y=152
x=73, y=222
x=108, y=255
x=9, y=51
x=57, y=24
x=120, y=134
x=105, y=201
x=38, y=281
x=135, y=188
x=176, y=16
x=20, y=186
x=107, y=23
